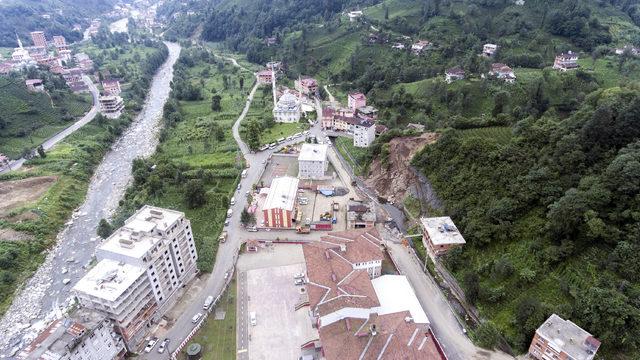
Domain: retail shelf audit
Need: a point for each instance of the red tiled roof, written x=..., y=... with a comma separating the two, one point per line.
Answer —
x=455, y=71
x=358, y=96
x=394, y=338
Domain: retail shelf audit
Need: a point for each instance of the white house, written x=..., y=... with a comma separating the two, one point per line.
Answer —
x=364, y=133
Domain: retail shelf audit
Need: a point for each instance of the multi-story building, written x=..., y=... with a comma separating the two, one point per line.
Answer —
x=20, y=54
x=83, y=334
x=502, y=72
x=39, y=39
x=111, y=106
x=439, y=234
x=360, y=215
x=35, y=85
x=312, y=161
x=307, y=86
x=74, y=80
x=60, y=42
x=559, y=339
x=265, y=76
x=356, y=100
x=453, y=74
x=279, y=205
x=287, y=110
x=364, y=133
x=64, y=54
x=111, y=87
x=142, y=266
x=489, y=50
x=566, y=61
x=122, y=293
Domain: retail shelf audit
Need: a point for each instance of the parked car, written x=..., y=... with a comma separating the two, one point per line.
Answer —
x=196, y=317
x=252, y=318
x=298, y=276
x=151, y=344
x=66, y=281
x=252, y=229
x=163, y=346
x=239, y=186
x=227, y=222
x=299, y=282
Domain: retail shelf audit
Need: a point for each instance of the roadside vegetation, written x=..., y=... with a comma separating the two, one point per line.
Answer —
x=218, y=337
x=197, y=164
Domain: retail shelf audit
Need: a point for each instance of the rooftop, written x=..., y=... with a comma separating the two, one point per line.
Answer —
x=455, y=71
x=396, y=295
x=282, y=193
x=564, y=335
x=108, y=280
x=313, y=152
x=388, y=336
x=442, y=230
x=61, y=334
x=357, y=96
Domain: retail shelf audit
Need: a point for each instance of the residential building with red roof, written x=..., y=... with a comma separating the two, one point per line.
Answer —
x=111, y=87
x=306, y=85
x=453, y=74
x=356, y=100
x=502, y=72
x=265, y=76
x=566, y=61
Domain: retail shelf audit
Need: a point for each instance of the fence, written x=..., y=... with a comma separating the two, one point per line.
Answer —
x=174, y=355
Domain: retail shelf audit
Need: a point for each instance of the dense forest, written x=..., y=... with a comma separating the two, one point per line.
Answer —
x=54, y=17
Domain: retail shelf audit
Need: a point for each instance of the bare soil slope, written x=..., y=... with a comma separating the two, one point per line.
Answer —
x=17, y=193
x=393, y=179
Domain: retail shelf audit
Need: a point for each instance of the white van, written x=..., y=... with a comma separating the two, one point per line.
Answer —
x=208, y=302
x=252, y=318
x=233, y=201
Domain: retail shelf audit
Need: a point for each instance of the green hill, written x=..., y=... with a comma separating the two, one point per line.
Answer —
x=27, y=119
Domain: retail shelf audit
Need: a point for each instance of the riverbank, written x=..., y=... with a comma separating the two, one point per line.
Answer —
x=74, y=161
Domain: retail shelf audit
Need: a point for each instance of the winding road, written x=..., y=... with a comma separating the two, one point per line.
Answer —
x=52, y=141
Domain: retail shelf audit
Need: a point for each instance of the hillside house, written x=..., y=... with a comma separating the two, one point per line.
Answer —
x=111, y=106
x=307, y=86
x=274, y=65
x=502, y=72
x=356, y=100
x=631, y=49
x=566, y=61
x=439, y=235
x=417, y=127
x=557, y=338
x=265, y=76
x=367, y=112
x=354, y=15
x=35, y=85
x=381, y=129
x=111, y=87
x=489, y=50
x=398, y=46
x=453, y=74
x=270, y=41
x=420, y=46
x=364, y=133
x=327, y=118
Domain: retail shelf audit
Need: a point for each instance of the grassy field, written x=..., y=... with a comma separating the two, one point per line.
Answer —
x=353, y=155
x=218, y=337
x=29, y=118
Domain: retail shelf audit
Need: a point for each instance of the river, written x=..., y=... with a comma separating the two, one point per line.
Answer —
x=44, y=296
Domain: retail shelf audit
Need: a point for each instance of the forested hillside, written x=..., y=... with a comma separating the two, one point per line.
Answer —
x=55, y=17
x=542, y=176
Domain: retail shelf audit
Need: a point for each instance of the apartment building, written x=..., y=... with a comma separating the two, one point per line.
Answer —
x=142, y=266
x=80, y=335
x=111, y=106
x=559, y=339
x=364, y=133
x=39, y=39
x=60, y=42
x=312, y=161
x=356, y=100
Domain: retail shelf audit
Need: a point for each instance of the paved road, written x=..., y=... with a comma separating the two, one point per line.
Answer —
x=48, y=144
x=44, y=294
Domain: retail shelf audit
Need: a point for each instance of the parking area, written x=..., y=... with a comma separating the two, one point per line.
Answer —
x=271, y=294
x=279, y=165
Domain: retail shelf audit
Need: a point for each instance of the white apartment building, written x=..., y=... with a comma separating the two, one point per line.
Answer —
x=141, y=267
x=81, y=335
x=364, y=133
x=312, y=161
x=122, y=293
